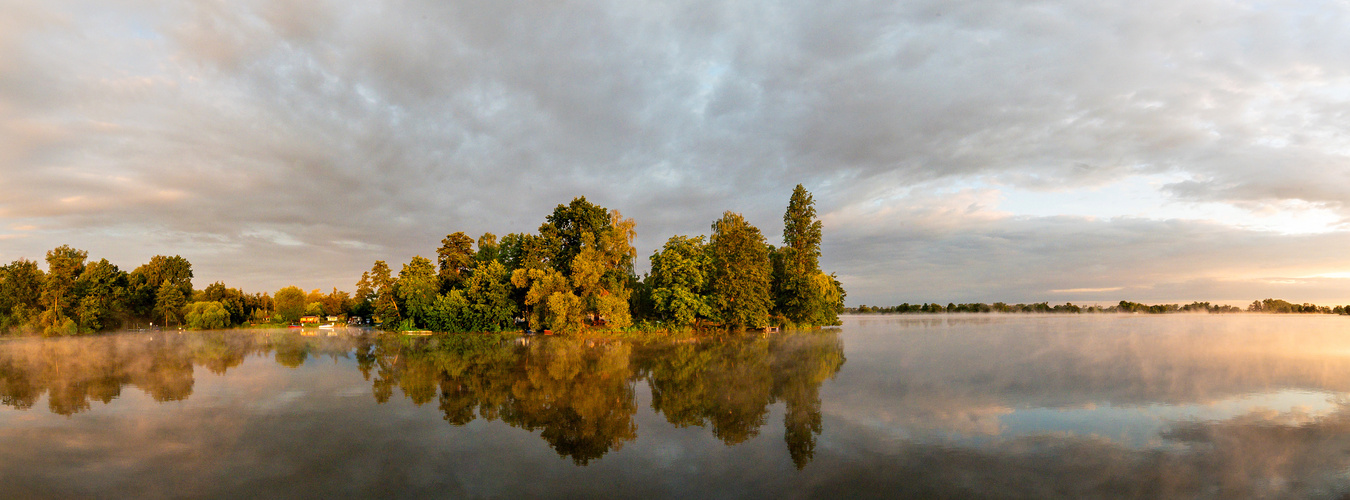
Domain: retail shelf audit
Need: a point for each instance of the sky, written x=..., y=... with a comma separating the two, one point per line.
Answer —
x=957, y=151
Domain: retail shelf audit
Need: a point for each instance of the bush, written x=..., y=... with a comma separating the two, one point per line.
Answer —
x=207, y=316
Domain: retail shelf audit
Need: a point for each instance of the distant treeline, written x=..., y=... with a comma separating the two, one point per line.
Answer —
x=75, y=295
x=1259, y=306
x=576, y=273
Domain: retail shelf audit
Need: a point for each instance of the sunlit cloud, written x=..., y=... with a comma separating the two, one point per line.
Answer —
x=955, y=149
x=1087, y=290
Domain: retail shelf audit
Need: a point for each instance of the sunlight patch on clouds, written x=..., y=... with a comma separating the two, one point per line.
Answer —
x=1331, y=275
x=1144, y=196
x=272, y=235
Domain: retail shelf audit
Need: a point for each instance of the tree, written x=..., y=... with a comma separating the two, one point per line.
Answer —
x=799, y=298
x=146, y=280
x=64, y=265
x=21, y=284
x=487, y=249
x=600, y=272
x=549, y=301
x=418, y=287
x=232, y=299
x=102, y=288
x=511, y=250
x=456, y=259
x=565, y=227
x=377, y=288
x=740, y=288
x=290, y=304
x=336, y=303
x=679, y=278
x=207, y=316
x=489, y=296
x=169, y=302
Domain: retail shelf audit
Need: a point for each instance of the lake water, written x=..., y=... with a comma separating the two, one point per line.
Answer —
x=1219, y=406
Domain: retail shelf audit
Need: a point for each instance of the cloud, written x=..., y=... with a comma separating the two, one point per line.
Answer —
x=391, y=124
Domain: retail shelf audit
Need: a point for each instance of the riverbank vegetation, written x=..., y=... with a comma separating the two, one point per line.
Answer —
x=575, y=274
x=1270, y=306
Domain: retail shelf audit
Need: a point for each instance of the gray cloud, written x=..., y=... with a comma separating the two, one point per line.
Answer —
x=273, y=142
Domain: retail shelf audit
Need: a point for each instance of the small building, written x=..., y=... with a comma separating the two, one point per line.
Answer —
x=309, y=320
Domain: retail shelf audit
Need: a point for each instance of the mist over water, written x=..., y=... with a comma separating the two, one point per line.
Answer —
x=886, y=406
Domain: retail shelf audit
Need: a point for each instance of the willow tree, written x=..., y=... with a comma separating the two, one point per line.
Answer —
x=740, y=294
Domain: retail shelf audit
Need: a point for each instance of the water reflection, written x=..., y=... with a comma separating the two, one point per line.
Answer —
x=1024, y=406
x=73, y=372
x=580, y=394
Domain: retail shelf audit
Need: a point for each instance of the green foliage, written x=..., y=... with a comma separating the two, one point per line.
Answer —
x=740, y=289
x=103, y=289
x=549, y=301
x=207, y=316
x=21, y=284
x=484, y=304
x=511, y=251
x=147, y=279
x=679, y=278
x=377, y=288
x=232, y=299
x=64, y=265
x=449, y=313
x=290, y=305
x=418, y=287
x=489, y=295
x=488, y=251
x=567, y=226
x=600, y=271
x=800, y=295
x=456, y=258
x=169, y=303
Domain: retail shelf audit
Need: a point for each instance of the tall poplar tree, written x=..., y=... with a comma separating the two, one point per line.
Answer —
x=796, y=286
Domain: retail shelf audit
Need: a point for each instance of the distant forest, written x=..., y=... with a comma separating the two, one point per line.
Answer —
x=1275, y=306
x=576, y=273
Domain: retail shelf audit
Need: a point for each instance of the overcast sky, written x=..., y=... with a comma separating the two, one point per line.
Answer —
x=958, y=151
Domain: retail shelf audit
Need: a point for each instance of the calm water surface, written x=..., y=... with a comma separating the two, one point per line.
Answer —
x=886, y=406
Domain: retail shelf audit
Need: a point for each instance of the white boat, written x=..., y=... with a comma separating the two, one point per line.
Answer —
x=328, y=326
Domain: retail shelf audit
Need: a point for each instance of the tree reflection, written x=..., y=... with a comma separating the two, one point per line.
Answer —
x=578, y=393
x=74, y=372
x=729, y=383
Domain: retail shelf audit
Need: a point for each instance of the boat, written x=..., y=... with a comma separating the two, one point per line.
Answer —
x=328, y=326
